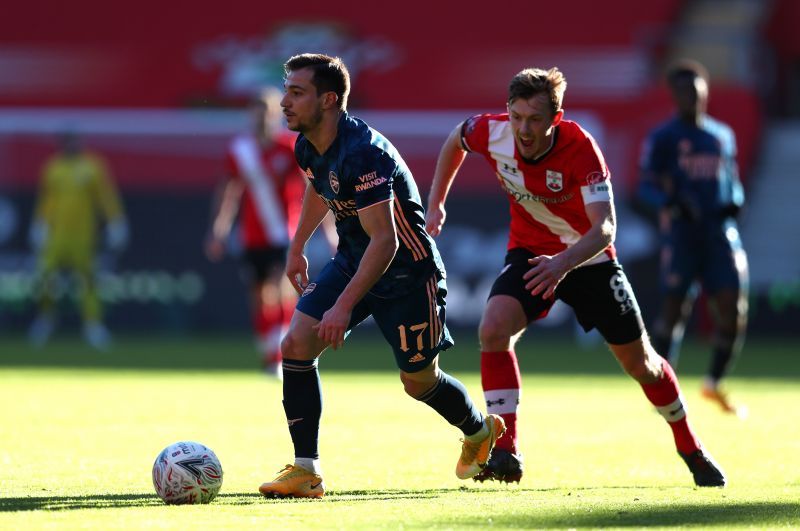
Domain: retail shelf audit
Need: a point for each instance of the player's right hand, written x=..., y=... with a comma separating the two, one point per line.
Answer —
x=434, y=220
x=297, y=271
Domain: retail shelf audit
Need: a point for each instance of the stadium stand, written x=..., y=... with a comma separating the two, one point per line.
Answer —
x=161, y=107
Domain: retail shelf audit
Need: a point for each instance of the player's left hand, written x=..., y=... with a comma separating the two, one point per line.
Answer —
x=297, y=271
x=434, y=219
x=545, y=275
x=333, y=327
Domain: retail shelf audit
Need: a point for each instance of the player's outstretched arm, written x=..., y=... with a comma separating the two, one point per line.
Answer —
x=313, y=211
x=226, y=208
x=451, y=156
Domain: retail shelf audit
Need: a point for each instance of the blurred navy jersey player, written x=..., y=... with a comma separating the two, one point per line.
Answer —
x=385, y=266
x=690, y=175
x=560, y=247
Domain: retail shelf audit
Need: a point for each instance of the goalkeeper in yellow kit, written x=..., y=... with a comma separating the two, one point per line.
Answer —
x=76, y=193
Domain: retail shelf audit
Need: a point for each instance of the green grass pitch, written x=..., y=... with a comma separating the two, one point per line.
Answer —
x=79, y=432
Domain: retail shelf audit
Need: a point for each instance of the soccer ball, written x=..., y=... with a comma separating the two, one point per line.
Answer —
x=187, y=473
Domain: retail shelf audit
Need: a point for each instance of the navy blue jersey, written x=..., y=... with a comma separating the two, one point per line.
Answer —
x=700, y=163
x=360, y=169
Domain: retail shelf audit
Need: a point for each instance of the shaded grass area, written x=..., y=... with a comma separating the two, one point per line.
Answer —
x=545, y=354
x=532, y=508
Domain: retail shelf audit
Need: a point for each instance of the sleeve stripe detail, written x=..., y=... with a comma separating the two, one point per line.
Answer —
x=404, y=227
x=402, y=236
x=431, y=311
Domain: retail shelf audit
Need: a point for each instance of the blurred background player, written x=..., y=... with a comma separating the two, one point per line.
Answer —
x=690, y=175
x=76, y=192
x=264, y=187
x=561, y=246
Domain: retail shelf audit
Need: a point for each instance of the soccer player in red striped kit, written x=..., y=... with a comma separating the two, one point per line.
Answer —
x=263, y=187
x=561, y=246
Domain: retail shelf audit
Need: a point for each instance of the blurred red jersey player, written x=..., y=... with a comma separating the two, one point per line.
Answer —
x=264, y=186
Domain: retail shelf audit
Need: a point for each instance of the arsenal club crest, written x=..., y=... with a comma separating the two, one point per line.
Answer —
x=554, y=181
x=334, y=180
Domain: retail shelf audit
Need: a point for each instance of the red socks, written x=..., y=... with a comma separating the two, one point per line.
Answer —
x=501, y=388
x=665, y=395
x=269, y=325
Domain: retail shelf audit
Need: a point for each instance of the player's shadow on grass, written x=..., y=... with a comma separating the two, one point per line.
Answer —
x=117, y=501
x=62, y=503
x=536, y=514
x=718, y=514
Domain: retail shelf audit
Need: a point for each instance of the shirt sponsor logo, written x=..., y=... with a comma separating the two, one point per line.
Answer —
x=334, y=180
x=341, y=209
x=369, y=180
x=554, y=180
x=520, y=194
x=697, y=165
x=521, y=197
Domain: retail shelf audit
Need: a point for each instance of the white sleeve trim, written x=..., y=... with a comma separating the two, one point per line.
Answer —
x=596, y=193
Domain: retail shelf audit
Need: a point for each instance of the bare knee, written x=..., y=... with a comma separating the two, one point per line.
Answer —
x=294, y=348
x=636, y=369
x=418, y=383
x=493, y=336
x=639, y=360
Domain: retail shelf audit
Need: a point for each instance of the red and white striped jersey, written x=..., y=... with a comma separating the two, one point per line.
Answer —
x=274, y=187
x=549, y=195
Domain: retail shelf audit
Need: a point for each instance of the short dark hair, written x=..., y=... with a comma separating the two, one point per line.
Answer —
x=686, y=68
x=330, y=74
x=532, y=81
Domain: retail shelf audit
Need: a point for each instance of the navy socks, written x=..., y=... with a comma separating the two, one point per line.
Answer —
x=449, y=398
x=302, y=402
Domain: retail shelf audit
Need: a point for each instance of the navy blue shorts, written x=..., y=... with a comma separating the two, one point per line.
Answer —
x=413, y=324
x=714, y=257
x=599, y=294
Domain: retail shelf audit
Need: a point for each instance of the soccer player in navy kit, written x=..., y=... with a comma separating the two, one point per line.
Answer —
x=690, y=174
x=385, y=266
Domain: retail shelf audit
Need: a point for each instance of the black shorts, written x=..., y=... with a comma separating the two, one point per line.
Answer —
x=261, y=263
x=599, y=294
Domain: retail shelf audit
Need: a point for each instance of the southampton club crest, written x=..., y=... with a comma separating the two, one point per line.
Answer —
x=334, y=180
x=554, y=181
